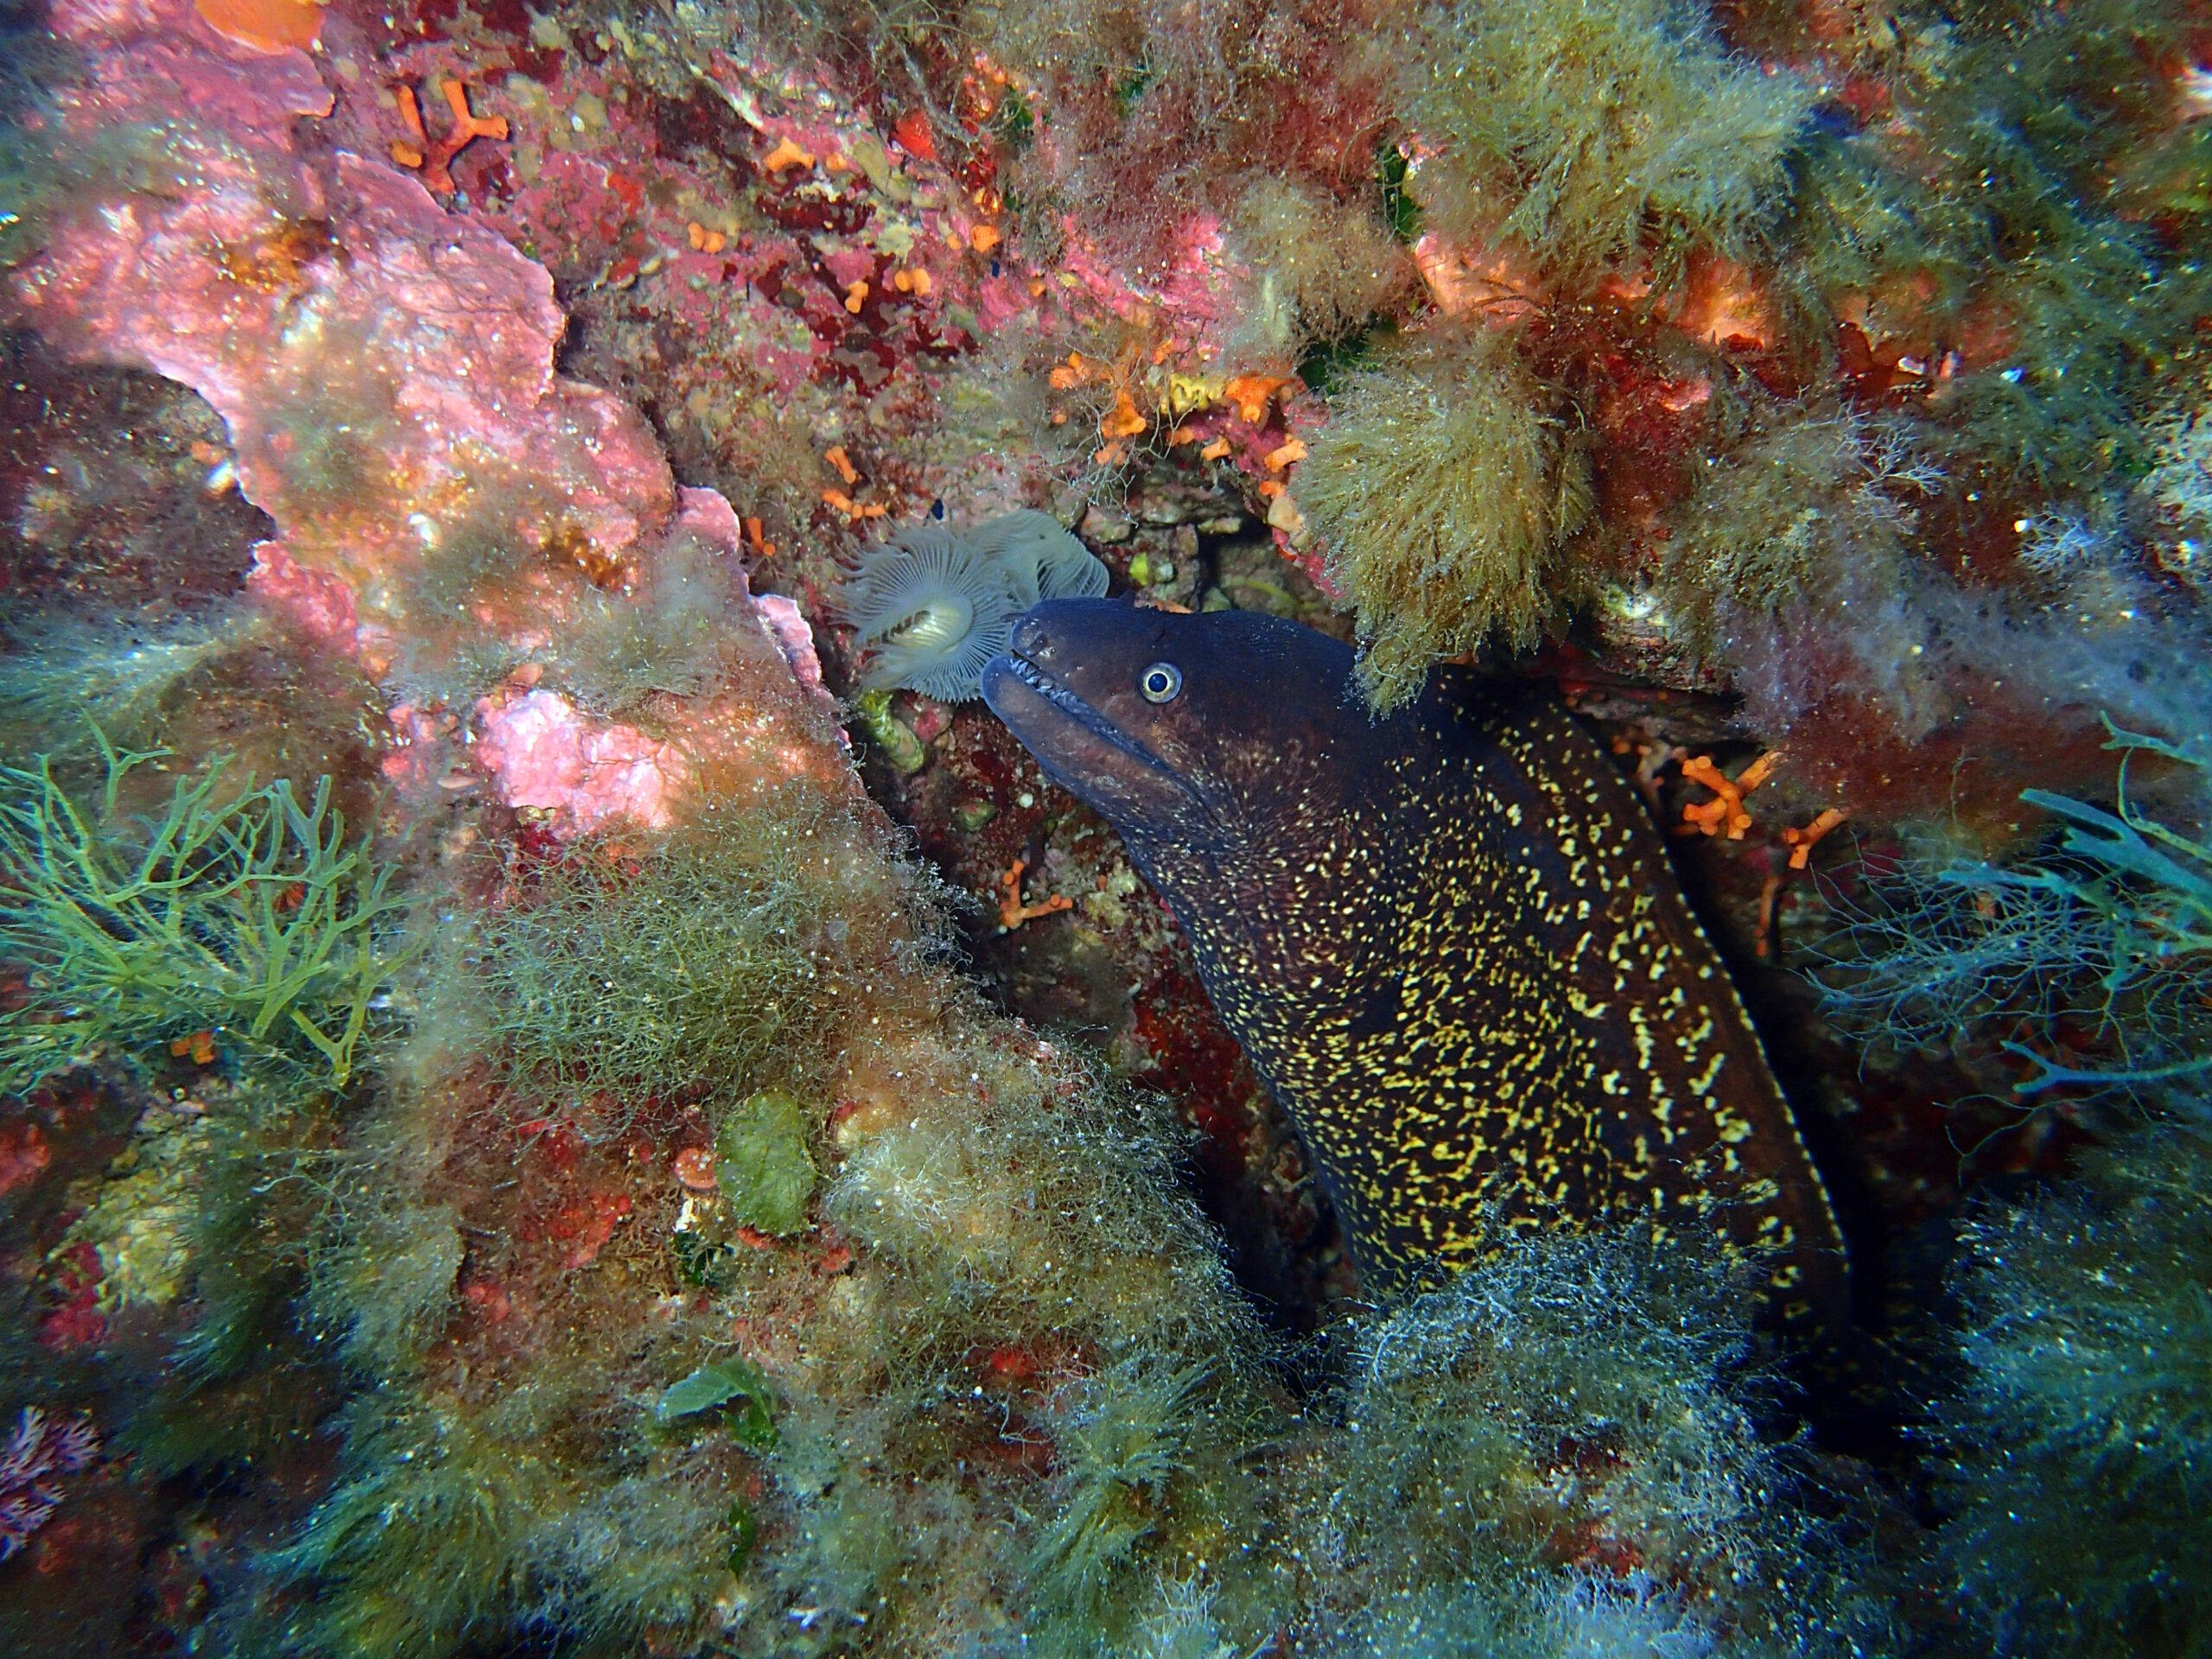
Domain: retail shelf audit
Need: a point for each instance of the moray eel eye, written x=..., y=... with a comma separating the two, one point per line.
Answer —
x=1160, y=681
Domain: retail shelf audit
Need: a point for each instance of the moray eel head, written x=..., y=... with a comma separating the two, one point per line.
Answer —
x=1171, y=725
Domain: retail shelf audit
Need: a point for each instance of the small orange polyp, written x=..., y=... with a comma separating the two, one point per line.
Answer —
x=1123, y=421
x=785, y=153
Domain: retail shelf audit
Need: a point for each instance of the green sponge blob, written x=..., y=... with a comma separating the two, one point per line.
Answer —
x=763, y=1164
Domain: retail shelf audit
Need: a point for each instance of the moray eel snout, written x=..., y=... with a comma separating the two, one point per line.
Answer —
x=1449, y=940
x=1084, y=745
x=1184, y=759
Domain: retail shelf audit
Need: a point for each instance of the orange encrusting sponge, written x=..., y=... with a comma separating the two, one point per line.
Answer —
x=264, y=25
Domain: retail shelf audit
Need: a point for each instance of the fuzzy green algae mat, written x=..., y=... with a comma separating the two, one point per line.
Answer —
x=523, y=1132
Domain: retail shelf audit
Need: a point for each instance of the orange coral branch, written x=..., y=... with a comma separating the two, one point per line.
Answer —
x=432, y=160
x=467, y=126
x=1725, y=813
x=1013, y=913
x=1801, y=842
x=1770, y=893
x=853, y=509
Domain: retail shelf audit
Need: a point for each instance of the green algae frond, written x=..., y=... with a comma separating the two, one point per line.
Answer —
x=762, y=1164
x=425, y=1536
x=1444, y=485
x=1795, y=498
x=1121, y=1438
x=2110, y=927
x=1321, y=268
x=1583, y=130
x=251, y=917
x=2045, y=190
x=1591, y=1395
x=62, y=675
x=695, y=973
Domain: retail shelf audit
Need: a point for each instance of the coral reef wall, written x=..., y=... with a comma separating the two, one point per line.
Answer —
x=525, y=1131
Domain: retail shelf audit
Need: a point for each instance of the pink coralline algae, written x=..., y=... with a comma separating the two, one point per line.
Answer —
x=795, y=639
x=1187, y=295
x=38, y=1453
x=385, y=372
x=544, y=754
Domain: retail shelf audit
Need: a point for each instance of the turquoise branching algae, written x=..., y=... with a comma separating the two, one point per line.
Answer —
x=252, y=916
x=2108, y=932
x=2079, y=1441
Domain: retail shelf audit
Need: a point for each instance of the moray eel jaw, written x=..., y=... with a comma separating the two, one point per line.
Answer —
x=1201, y=738
x=1078, y=742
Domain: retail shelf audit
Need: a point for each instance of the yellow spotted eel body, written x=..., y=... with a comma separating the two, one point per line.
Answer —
x=1450, y=940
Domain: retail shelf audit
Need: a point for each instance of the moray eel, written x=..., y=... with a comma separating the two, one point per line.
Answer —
x=1449, y=940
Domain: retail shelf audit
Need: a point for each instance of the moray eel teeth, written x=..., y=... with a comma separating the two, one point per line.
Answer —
x=1450, y=941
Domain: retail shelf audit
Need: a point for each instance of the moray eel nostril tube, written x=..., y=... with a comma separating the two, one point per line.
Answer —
x=1450, y=939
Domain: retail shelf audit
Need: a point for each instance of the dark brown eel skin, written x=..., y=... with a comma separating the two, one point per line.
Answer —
x=1449, y=939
